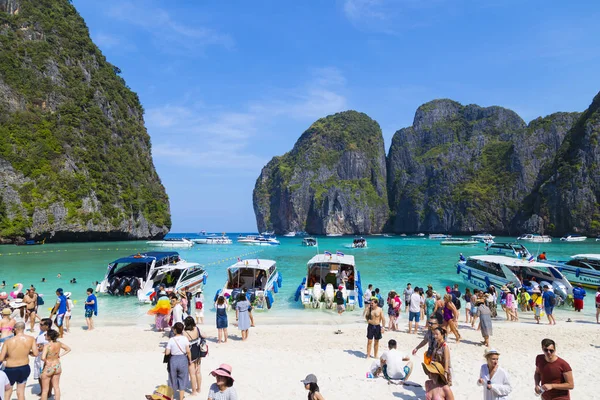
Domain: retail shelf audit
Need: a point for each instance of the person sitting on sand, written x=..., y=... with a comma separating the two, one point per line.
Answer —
x=310, y=384
x=393, y=364
x=436, y=387
x=493, y=378
x=223, y=389
x=375, y=327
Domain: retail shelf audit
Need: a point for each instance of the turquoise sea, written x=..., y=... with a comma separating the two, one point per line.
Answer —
x=388, y=263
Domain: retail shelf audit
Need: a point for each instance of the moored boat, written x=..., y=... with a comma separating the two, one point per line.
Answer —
x=483, y=237
x=334, y=234
x=259, y=240
x=213, y=240
x=509, y=249
x=573, y=238
x=258, y=278
x=359, y=243
x=309, y=242
x=532, y=237
x=439, y=236
x=171, y=242
x=458, y=242
x=581, y=269
x=290, y=234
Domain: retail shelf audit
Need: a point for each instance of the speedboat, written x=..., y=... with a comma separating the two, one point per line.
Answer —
x=509, y=249
x=484, y=271
x=139, y=274
x=439, y=236
x=290, y=234
x=325, y=273
x=258, y=240
x=482, y=237
x=359, y=243
x=420, y=234
x=531, y=237
x=171, y=242
x=581, y=268
x=598, y=239
x=334, y=234
x=268, y=233
x=573, y=238
x=309, y=242
x=258, y=278
x=458, y=242
x=213, y=240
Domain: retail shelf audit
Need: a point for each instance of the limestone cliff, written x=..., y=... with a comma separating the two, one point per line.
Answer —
x=332, y=181
x=75, y=157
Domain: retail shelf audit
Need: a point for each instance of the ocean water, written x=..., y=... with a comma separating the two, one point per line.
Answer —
x=387, y=263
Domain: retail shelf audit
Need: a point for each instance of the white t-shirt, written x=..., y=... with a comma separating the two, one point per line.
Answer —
x=3, y=382
x=415, y=302
x=395, y=365
x=182, y=341
x=177, y=314
x=70, y=306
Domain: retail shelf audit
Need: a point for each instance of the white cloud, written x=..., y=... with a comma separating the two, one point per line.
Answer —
x=106, y=41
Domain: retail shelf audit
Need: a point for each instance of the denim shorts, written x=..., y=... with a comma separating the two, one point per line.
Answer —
x=549, y=309
x=414, y=316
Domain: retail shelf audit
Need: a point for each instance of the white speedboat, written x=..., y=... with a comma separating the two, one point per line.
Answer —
x=258, y=278
x=359, y=243
x=139, y=274
x=573, y=238
x=439, y=236
x=581, y=268
x=213, y=240
x=598, y=239
x=309, y=242
x=483, y=237
x=258, y=240
x=458, y=242
x=171, y=242
x=509, y=249
x=325, y=273
x=484, y=271
x=420, y=234
x=532, y=237
x=268, y=233
x=290, y=234
x=335, y=234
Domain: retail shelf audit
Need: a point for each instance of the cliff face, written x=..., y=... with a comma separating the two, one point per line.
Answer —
x=467, y=168
x=75, y=157
x=333, y=180
x=567, y=199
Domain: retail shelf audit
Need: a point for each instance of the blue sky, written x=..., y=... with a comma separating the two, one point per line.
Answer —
x=227, y=85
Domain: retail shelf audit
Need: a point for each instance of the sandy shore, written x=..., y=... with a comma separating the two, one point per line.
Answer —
x=125, y=362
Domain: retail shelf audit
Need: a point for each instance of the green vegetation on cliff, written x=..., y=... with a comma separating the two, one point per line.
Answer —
x=70, y=125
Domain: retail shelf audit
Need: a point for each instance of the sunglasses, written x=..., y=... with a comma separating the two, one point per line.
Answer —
x=549, y=351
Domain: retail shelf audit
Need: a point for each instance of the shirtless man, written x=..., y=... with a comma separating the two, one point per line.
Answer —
x=16, y=353
x=375, y=327
x=31, y=300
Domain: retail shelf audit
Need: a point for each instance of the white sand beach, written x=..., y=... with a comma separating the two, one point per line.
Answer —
x=125, y=362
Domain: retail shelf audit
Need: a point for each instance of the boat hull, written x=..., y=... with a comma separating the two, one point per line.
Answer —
x=459, y=243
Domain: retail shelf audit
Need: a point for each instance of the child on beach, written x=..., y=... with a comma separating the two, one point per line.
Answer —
x=199, y=303
x=222, y=323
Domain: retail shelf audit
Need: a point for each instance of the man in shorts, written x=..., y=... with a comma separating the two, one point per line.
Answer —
x=375, y=327
x=407, y=293
x=414, y=310
x=91, y=308
x=45, y=326
x=60, y=309
x=393, y=364
x=30, y=300
x=549, y=298
x=340, y=301
x=15, y=352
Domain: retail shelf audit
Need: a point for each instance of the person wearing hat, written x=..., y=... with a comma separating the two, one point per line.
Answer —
x=485, y=321
x=60, y=309
x=199, y=305
x=437, y=385
x=163, y=392
x=70, y=306
x=310, y=384
x=493, y=378
x=537, y=303
x=339, y=300
x=223, y=388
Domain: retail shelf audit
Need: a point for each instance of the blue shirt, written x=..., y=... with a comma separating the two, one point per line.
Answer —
x=578, y=293
x=547, y=296
x=62, y=304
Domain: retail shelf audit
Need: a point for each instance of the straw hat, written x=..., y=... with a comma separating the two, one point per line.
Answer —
x=224, y=370
x=435, y=368
x=537, y=290
x=6, y=311
x=491, y=352
x=163, y=392
x=3, y=296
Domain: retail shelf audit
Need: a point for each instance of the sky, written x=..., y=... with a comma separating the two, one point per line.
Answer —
x=227, y=85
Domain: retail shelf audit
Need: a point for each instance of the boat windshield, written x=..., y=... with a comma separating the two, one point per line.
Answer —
x=487, y=267
x=587, y=264
x=329, y=273
x=139, y=265
x=248, y=278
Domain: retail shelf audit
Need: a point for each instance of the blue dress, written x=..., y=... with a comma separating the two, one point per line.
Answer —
x=243, y=316
x=222, y=317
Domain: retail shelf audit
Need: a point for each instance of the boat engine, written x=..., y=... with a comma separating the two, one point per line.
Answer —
x=329, y=295
x=113, y=285
x=316, y=295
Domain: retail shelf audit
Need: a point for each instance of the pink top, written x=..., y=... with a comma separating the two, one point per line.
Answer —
x=509, y=300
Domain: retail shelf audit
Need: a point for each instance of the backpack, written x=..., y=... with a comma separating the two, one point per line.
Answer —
x=40, y=300
x=339, y=297
x=456, y=302
x=553, y=300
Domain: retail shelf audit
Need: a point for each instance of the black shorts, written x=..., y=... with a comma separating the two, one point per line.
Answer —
x=17, y=375
x=374, y=332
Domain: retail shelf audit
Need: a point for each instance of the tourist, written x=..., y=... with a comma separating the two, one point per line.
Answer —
x=537, y=301
x=223, y=389
x=379, y=298
x=429, y=304
x=549, y=302
x=41, y=341
x=245, y=293
x=3, y=284
x=394, y=306
x=542, y=257
x=176, y=311
x=422, y=294
x=43, y=280
x=439, y=306
x=70, y=307
x=16, y=351
x=553, y=376
x=178, y=350
x=91, y=308
x=414, y=314
x=7, y=325
x=441, y=352
x=52, y=366
x=456, y=295
x=242, y=308
x=310, y=384
x=161, y=311
x=30, y=300
x=451, y=316
x=428, y=339
x=163, y=392
x=473, y=312
x=183, y=301
x=192, y=332
x=436, y=387
x=60, y=309
x=340, y=301
x=393, y=364
x=578, y=295
x=493, y=378
x=199, y=305
x=407, y=293
x=485, y=321
x=598, y=305
x=375, y=327
x=492, y=300
x=367, y=298
x=523, y=300
x=461, y=258
x=59, y=275
x=467, y=298
x=222, y=324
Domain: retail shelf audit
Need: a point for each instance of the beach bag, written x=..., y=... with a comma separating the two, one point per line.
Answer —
x=40, y=300
x=456, y=302
x=203, y=348
x=553, y=300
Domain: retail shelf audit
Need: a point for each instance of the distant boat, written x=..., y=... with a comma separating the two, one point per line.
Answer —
x=573, y=238
x=359, y=243
x=334, y=234
x=530, y=237
x=420, y=235
x=482, y=237
x=32, y=243
x=213, y=240
x=309, y=242
x=439, y=236
x=268, y=233
x=290, y=234
x=171, y=242
x=258, y=240
x=458, y=242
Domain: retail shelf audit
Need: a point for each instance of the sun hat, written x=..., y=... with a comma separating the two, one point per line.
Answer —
x=6, y=311
x=223, y=370
x=491, y=352
x=340, y=287
x=448, y=289
x=310, y=378
x=162, y=392
x=68, y=295
x=3, y=296
x=18, y=303
x=537, y=290
x=435, y=367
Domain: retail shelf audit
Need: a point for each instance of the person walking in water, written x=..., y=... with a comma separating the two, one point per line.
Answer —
x=16, y=352
x=375, y=328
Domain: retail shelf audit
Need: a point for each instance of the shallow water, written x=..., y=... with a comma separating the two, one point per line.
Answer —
x=387, y=263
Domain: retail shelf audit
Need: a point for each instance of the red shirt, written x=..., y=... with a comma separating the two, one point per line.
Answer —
x=552, y=372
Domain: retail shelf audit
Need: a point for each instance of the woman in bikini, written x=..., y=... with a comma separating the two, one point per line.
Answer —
x=52, y=368
x=450, y=314
x=7, y=324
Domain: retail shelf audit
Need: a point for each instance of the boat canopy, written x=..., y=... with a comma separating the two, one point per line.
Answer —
x=147, y=257
x=511, y=262
x=332, y=259
x=592, y=257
